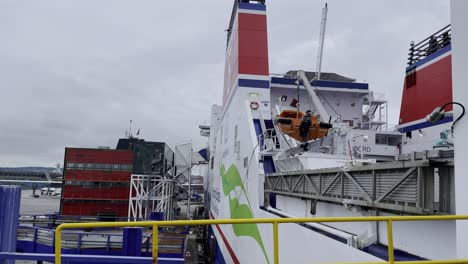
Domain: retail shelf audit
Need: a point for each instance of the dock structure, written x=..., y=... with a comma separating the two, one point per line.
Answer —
x=151, y=194
x=30, y=179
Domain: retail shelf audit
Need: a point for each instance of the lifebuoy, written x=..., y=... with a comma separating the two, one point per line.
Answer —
x=254, y=105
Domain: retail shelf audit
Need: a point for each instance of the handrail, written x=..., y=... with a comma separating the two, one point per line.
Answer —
x=267, y=139
x=426, y=39
x=429, y=45
x=275, y=221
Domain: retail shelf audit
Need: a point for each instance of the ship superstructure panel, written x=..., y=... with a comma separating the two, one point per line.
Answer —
x=343, y=100
x=259, y=170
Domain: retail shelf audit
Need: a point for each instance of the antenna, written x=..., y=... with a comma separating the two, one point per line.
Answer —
x=130, y=130
x=323, y=27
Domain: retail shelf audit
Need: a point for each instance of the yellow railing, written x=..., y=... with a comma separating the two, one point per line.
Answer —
x=275, y=221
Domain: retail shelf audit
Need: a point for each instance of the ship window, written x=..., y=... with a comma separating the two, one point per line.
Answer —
x=390, y=140
x=408, y=134
x=73, y=183
x=87, y=184
x=350, y=122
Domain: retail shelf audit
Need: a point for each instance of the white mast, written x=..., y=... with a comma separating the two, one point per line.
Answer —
x=321, y=40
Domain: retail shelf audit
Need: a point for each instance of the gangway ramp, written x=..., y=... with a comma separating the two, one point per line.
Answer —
x=420, y=185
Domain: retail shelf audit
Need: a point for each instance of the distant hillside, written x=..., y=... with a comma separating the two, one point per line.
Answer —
x=28, y=169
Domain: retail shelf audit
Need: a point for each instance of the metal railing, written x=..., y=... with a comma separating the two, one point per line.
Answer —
x=268, y=140
x=52, y=220
x=78, y=240
x=275, y=222
x=429, y=45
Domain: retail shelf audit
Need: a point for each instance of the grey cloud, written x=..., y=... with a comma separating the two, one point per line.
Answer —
x=73, y=73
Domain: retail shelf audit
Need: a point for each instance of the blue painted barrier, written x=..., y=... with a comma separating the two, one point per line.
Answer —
x=132, y=237
x=157, y=216
x=10, y=198
x=88, y=259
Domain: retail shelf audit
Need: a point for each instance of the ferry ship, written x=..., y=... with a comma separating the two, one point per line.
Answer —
x=351, y=163
x=301, y=145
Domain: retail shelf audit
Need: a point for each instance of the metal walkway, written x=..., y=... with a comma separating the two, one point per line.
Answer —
x=420, y=183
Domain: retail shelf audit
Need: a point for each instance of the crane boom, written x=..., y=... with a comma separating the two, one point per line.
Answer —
x=324, y=116
x=323, y=27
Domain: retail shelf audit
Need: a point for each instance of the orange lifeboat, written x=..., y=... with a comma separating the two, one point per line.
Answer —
x=289, y=121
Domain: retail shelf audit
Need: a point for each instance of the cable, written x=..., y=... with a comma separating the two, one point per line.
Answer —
x=461, y=115
x=325, y=99
x=289, y=145
x=320, y=94
x=243, y=183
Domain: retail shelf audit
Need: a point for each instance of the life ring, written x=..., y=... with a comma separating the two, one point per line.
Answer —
x=254, y=105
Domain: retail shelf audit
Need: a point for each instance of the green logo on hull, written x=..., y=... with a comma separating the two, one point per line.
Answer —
x=232, y=179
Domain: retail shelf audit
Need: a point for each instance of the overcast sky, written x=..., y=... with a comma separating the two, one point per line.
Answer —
x=73, y=73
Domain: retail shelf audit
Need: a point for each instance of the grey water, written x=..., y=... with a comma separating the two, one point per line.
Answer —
x=38, y=206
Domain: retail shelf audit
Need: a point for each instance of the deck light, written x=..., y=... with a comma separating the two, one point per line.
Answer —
x=420, y=133
x=436, y=115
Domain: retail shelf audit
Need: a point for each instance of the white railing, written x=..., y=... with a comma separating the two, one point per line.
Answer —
x=268, y=140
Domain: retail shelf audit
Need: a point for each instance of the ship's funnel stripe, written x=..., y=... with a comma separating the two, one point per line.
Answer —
x=249, y=6
x=254, y=77
x=423, y=124
x=247, y=49
x=253, y=12
x=429, y=87
x=253, y=83
x=438, y=55
x=322, y=83
x=363, y=86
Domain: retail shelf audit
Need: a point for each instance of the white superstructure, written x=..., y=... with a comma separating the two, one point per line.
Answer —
x=357, y=169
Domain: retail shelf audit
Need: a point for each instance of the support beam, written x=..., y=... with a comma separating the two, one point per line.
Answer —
x=428, y=189
x=278, y=180
x=383, y=206
x=355, y=183
x=286, y=183
x=331, y=184
x=400, y=181
x=312, y=184
x=301, y=180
